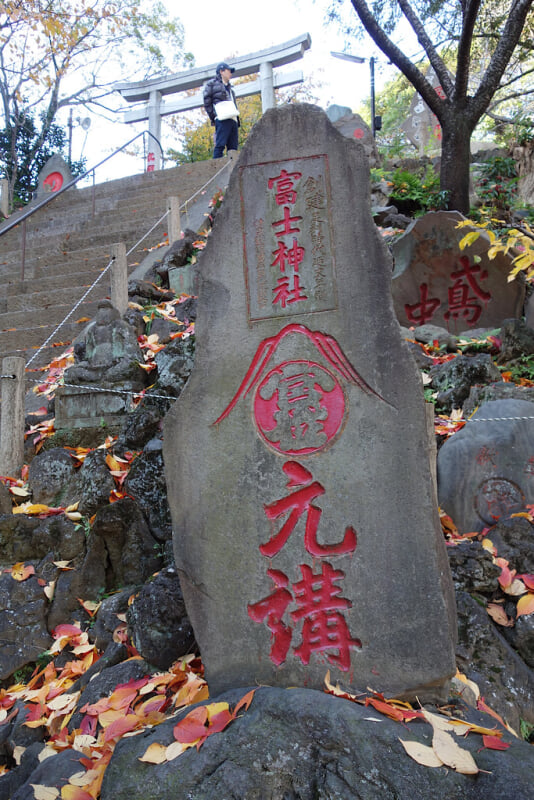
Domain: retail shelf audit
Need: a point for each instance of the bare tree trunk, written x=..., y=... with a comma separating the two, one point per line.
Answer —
x=455, y=161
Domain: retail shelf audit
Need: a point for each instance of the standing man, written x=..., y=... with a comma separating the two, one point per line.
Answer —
x=219, y=90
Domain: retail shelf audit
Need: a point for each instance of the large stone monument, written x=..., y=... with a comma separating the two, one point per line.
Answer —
x=436, y=282
x=297, y=458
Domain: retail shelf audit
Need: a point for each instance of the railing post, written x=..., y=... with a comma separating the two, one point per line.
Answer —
x=4, y=197
x=12, y=422
x=174, y=224
x=119, y=278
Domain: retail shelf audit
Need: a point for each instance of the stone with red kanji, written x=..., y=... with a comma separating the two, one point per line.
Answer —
x=297, y=458
x=436, y=282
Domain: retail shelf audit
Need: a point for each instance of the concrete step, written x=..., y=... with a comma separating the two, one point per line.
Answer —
x=22, y=321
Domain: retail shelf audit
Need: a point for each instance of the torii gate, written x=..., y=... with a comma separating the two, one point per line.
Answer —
x=151, y=91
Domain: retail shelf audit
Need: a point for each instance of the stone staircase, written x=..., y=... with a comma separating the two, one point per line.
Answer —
x=68, y=244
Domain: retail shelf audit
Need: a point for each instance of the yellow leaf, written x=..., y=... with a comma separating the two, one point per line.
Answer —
x=499, y=615
x=62, y=564
x=451, y=754
x=468, y=239
x=525, y=605
x=155, y=754
x=21, y=571
x=421, y=753
x=75, y=516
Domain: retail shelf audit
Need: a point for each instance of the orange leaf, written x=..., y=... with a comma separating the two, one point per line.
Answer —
x=21, y=571
x=385, y=708
x=525, y=605
x=244, y=703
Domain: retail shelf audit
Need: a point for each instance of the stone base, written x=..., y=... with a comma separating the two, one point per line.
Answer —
x=78, y=408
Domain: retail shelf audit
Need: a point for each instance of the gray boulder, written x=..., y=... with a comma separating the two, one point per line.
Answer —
x=23, y=631
x=454, y=379
x=299, y=743
x=158, y=622
x=49, y=473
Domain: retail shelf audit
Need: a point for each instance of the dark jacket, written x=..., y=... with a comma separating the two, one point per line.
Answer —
x=216, y=92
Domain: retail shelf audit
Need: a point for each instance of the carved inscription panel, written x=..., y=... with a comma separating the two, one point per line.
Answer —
x=287, y=238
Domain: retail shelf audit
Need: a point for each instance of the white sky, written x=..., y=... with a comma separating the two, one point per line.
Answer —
x=216, y=31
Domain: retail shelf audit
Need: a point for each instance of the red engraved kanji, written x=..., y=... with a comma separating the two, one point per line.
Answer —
x=285, y=186
x=271, y=610
x=319, y=604
x=298, y=504
x=292, y=256
x=286, y=294
x=324, y=628
x=423, y=311
x=286, y=223
x=460, y=303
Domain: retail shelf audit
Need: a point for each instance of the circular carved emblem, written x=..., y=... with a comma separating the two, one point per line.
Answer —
x=498, y=497
x=54, y=180
x=299, y=407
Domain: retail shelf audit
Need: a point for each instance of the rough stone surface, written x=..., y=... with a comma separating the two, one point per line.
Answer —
x=146, y=484
x=517, y=339
x=5, y=500
x=486, y=470
x=107, y=619
x=453, y=379
x=231, y=455
x=485, y=657
x=131, y=552
x=303, y=744
x=92, y=484
x=49, y=473
x=433, y=281
x=53, y=772
x=23, y=632
x=158, y=622
x=496, y=391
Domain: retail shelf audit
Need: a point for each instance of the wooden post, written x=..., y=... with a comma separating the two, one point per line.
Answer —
x=174, y=224
x=119, y=278
x=4, y=197
x=12, y=422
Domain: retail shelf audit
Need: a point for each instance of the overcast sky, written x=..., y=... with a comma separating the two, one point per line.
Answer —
x=216, y=31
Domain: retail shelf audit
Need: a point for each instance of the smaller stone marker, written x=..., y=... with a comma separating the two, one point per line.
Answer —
x=486, y=470
x=436, y=282
x=297, y=457
x=54, y=176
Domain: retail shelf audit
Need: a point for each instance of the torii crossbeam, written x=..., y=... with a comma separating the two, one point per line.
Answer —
x=151, y=92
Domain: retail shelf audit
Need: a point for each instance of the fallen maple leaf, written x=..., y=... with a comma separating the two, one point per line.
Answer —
x=494, y=743
x=499, y=615
x=21, y=571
